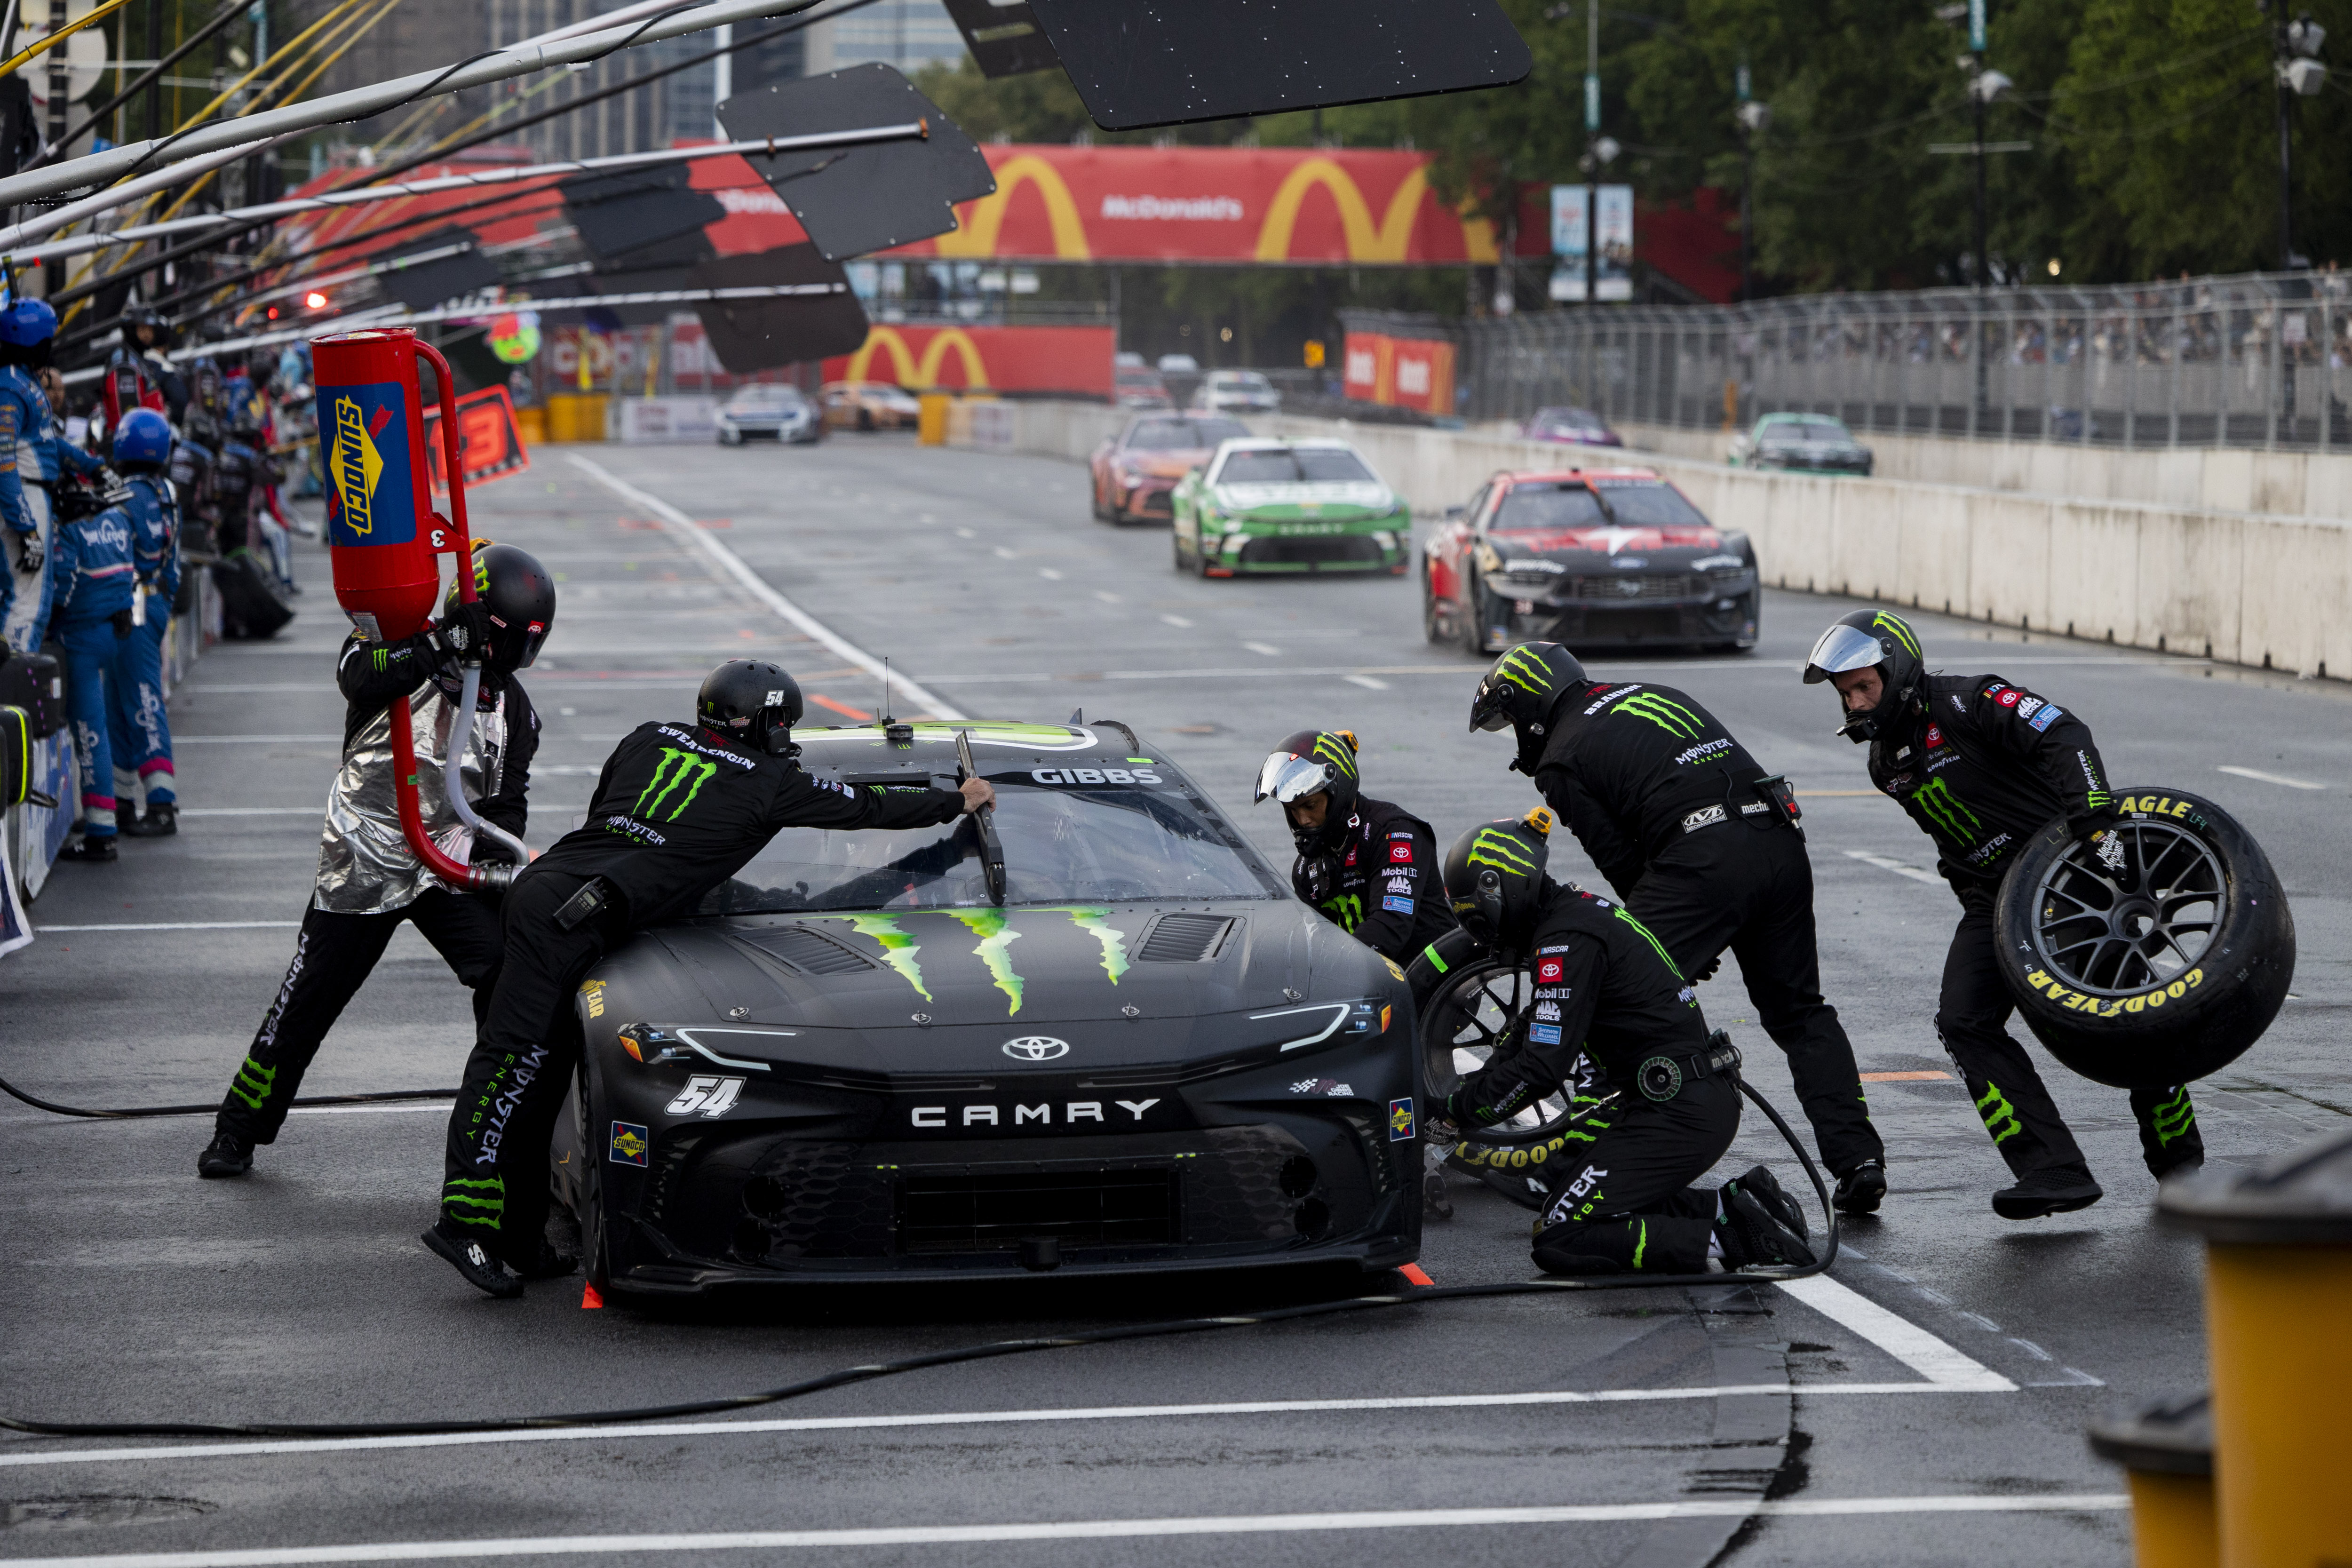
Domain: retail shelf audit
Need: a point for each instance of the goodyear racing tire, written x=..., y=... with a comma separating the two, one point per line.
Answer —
x=1467, y=1000
x=2157, y=955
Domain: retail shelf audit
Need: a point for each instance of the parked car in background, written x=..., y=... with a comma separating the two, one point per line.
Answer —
x=1592, y=558
x=1573, y=427
x=1288, y=506
x=867, y=406
x=1179, y=364
x=1237, y=391
x=1140, y=387
x=768, y=412
x=1134, y=472
x=1812, y=443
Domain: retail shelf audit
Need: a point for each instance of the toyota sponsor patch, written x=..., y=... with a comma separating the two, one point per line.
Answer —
x=1549, y=971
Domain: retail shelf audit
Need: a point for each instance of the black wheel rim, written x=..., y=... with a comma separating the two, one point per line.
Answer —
x=2134, y=911
x=1460, y=1027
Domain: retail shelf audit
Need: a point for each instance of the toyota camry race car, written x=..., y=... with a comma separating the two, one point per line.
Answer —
x=1586, y=557
x=1134, y=472
x=1288, y=506
x=854, y=1062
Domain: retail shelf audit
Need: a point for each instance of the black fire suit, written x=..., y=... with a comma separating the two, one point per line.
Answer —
x=1988, y=767
x=1662, y=798
x=1380, y=880
x=351, y=919
x=1604, y=982
x=677, y=810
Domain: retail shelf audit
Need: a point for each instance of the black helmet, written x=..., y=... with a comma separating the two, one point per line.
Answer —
x=1521, y=692
x=1494, y=877
x=139, y=315
x=1310, y=762
x=752, y=702
x=1859, y=641
x=520, y=597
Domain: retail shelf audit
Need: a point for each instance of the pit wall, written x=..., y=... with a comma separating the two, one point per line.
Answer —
x=2243, y=586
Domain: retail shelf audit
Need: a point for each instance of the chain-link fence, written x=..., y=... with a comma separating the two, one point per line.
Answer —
x=2260, y=359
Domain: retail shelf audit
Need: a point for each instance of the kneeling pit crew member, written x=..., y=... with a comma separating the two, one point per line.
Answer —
x=1601, y=980
x=677, y=810
x=1370, y=867
x=368, y=880
x=1981, y=766
x=1704, y=849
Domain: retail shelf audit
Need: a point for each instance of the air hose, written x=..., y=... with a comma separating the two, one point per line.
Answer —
x=128, y=1114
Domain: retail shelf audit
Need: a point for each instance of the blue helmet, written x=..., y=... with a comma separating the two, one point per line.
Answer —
x=143, y=436
x=28, y=322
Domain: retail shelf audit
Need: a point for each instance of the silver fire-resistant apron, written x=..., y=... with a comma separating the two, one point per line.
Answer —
x=365, y=867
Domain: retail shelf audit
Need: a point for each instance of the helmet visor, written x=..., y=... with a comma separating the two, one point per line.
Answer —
x=1843, y=648
x=1491, y=708
x=1286, y=778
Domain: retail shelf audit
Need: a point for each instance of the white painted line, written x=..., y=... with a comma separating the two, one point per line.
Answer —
x=254, y=810
x=1907, y=1342
x=1267, y=648
x=1087, y=1529
x=1898, y=866
x=1366, y=681
x=1177, y=621
x=1047, y=573
x=966, y=533
x=1003, y=554
x=682, y=528
x=184, y=925
x=13, y=1459
x=1109, y=598
x=2270, y=778
x=257, y=740
x=437, y=1109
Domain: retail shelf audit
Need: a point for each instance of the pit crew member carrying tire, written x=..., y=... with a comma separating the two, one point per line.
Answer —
x=1370, y=867
x=1704, y=849
x=369, y=879
x=1981, y=765
x=679, y=808
x=1603, y=980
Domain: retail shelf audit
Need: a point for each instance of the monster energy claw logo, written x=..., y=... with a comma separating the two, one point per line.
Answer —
x=1496, y=847
x=1626, y=915
x=2000, y=1116
x=674, y=768
x=1940, y=805
x=2173, y=1118
x=1672, y=717
x=1525, y=670
x=1897, y=628
x=1332, y=750
x=1346, y=910
x=355, y=465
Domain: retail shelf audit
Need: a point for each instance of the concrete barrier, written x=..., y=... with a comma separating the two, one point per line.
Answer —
x=2239, y=584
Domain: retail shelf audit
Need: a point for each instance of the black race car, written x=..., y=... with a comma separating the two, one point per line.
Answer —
x=851, y=1064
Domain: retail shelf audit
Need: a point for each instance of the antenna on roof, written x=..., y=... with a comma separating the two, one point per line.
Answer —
x=886, y=691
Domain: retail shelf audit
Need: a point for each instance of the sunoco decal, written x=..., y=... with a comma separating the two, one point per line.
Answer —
x=371, y=497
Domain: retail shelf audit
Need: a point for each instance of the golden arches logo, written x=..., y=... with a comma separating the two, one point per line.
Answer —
x=1389, y=242
x=906, y=369
x=983, y=220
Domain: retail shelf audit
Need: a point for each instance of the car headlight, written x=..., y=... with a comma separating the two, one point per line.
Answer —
x=1327, y=1023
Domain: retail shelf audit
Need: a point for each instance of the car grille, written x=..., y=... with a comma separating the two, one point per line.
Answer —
x=1615, y=590
x=997, y=1213
x=1323, y=550
x=1156, y=502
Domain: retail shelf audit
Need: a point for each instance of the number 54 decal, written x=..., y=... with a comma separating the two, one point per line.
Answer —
x=707, y=1096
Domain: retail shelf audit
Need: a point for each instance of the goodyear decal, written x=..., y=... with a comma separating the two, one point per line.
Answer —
x=372, y=497
x=2111, y=1006
x=2155, y=805
x=996, y=935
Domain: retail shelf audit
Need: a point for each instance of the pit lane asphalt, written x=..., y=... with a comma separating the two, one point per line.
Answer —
x=137, y=1292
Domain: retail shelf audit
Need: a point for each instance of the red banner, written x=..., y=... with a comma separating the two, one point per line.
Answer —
x=1405, y=373
x=487, y=439
x=1000, y=358
x=1321, y=204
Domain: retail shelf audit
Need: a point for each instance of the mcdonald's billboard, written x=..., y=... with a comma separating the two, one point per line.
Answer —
x=1404, y=373
x=1320, y=204
x=1000, y=359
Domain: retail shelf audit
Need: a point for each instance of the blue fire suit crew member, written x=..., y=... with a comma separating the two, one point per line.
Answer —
x=31, y=456
x=678, y=809
x=91, y=577
x=140, y=732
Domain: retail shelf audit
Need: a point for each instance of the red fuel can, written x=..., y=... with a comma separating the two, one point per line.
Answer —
x=381, y=527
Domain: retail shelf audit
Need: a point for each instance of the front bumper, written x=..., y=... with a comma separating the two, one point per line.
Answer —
x=1295, y=549
x=1147, y=497
x=1676, y=609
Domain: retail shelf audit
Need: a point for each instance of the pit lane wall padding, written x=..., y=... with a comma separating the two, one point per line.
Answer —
x=2252, y=588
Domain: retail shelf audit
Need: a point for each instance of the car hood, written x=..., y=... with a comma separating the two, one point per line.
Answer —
x=1353, y=495
x=1570, y=543
x=1120, y=985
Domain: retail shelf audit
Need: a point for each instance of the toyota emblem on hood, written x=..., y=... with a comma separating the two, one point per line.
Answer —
x=1036, y=1048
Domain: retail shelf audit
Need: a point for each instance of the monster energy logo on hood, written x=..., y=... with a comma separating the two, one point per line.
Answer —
x=674, y=768
x=996, y=933
x=1672, y=717
x=1897, y=628
x=1936, y=801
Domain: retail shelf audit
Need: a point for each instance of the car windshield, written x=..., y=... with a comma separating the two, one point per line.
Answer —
x=1105, y=835
x=1183, y=435
x=1650, y=503
x=1791, y=432
x=1249, y=380
x=1294, y=465
x=1543, y=509
x=764, y=400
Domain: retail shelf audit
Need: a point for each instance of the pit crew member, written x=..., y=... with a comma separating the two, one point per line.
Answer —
x=1602, y=981
x=31, y=456
x=679, y=808
x=368, y=880
x=1704, y=849
x=91, y=577
x=1370, y=867
x=1981, y=765
x=139, y=729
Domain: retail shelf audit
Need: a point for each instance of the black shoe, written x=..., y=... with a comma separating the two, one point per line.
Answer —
x=2193, y=1161
x=1766, y=1189
x=161, y=821
x=1754, y=1235
x=1433, y=1197
x=550, y=1263
x=2054, y=1189
x=88, y=848
x=482, y=1272
x=1862, y=1189
x=229, y=1154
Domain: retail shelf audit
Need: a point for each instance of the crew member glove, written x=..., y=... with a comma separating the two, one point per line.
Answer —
x=1441, y=1127
x=2094, y=826
x=31, y=558
x=466, y=630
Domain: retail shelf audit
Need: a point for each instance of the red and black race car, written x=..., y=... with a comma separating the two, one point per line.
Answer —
x=1589, y=556
x=1135, y=470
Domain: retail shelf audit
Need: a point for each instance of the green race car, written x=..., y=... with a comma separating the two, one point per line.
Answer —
x=1288, y=506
